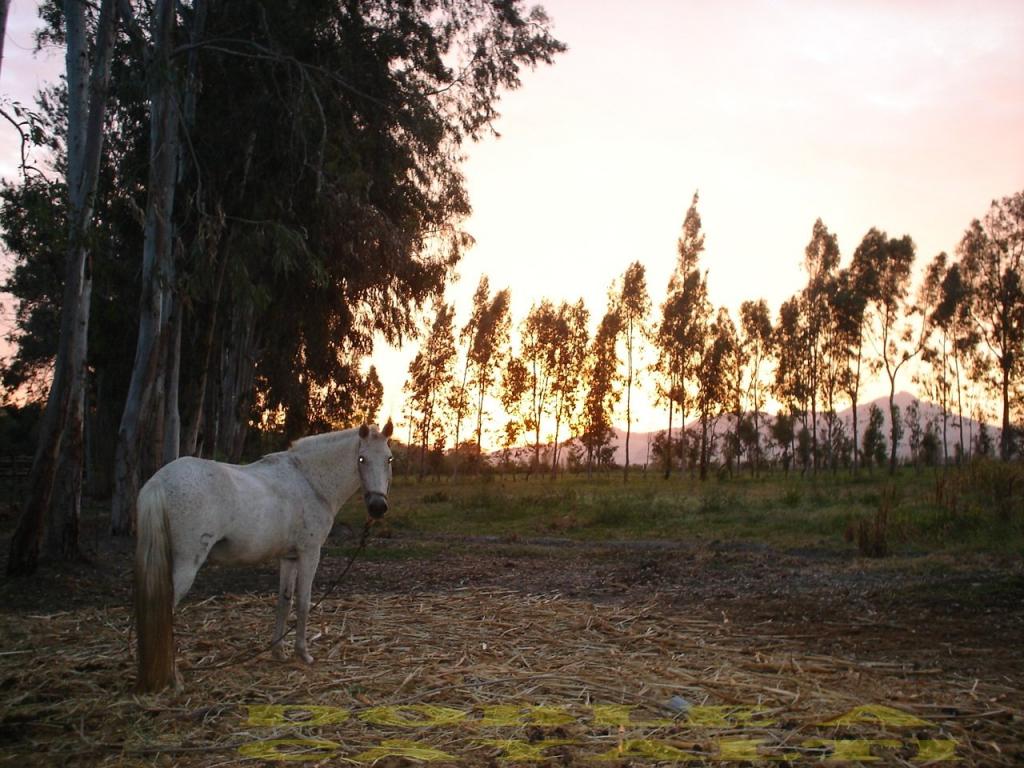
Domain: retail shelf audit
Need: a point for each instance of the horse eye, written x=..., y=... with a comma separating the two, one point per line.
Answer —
x=391, y=459
x=362, y=459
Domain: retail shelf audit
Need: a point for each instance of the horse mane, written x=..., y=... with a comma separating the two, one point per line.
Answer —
x=325, y=440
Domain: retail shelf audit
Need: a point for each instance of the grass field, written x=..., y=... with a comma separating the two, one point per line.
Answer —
x=979, y=508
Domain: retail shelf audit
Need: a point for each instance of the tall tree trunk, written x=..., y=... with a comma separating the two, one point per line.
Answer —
x=945, y=410
x=814, y=417
x=423, y=449
x=959, y=407
x=458, y=416
x=148, y=370
x=197, y=401
x=629, y=395
x=86, y=116
x=853, y=404
x=554, y=448
x=668, y=440
x=172, y=415
x=237, y=364
x=4, y=4
x=892, y=426
x=703, y=445
x=757, y=436
x=65, y=512
x=480, y=425
x=104, y=424
x=210, y=426
x=1006, y=438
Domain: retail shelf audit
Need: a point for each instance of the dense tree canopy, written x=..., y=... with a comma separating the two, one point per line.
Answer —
x=285, y=179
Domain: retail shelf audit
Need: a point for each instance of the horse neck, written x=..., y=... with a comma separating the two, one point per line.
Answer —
x=329, y=465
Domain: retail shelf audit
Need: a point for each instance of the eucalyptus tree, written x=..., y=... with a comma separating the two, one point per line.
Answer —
x=490, y=350
x=821, y=258
x=431, y=375
x=459, y=399
x=567, y=359
x=992, y=257
x=537, y=336
x=791, y=386
x=834, y=368
x=59, y=451
x=937, y=354
x=602, y=393
x=634, y=308
x=953, y=313
x=733, y=373
x=854, y=287
x=714, y=388
x=756, y=341
x=144, y=412
x=681, y=333
x=514, y=386
x=898, y=334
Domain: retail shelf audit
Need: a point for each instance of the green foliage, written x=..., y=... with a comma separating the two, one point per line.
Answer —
x=17, y=428
x=875, y=448
x=791, y=497
x=32, y=219
x=992, y=259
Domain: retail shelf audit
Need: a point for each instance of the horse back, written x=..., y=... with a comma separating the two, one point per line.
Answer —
x=234, y=513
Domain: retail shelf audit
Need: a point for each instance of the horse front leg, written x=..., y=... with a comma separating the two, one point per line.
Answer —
x=284, y=602
x=308, y=562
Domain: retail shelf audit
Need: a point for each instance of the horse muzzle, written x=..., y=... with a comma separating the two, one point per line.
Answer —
x=376, y=503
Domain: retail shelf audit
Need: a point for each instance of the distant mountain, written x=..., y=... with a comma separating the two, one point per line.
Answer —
x=639, y=442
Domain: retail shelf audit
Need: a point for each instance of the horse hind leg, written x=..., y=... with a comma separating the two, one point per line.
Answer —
x=187, y=562
x=184, y=574
x=284, y=601
x=304, y=585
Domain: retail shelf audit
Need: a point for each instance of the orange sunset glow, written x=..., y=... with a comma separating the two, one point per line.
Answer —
x=902, y=116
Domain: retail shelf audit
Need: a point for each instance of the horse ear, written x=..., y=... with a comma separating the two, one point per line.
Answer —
x=388, y=429
x=364, y=431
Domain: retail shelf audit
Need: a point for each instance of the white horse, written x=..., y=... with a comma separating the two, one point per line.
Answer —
x=280, y=507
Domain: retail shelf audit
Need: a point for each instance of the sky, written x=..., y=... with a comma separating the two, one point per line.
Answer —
x=906, y=116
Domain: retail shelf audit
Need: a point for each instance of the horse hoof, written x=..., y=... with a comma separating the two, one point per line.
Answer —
x=304, y=656
x=278, y=653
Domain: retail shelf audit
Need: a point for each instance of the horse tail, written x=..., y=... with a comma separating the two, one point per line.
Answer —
x=154, y=590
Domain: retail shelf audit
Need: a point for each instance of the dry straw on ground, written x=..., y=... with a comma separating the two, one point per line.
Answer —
x=67, y=683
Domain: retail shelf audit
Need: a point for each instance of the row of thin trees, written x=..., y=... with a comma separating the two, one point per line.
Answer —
x=960, y=329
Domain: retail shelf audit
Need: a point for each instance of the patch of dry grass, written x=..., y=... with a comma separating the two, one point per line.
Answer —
x=67, y=682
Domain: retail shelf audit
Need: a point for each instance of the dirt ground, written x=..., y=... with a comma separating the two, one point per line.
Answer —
x=467, y=625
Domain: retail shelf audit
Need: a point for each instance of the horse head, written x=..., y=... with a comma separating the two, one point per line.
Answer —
x=375, y=467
